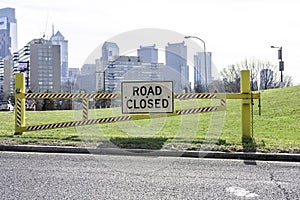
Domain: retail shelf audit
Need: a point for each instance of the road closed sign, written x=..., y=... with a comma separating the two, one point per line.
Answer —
x=147, y=97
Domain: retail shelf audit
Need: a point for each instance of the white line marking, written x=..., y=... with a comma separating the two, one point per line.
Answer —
x=241, y=192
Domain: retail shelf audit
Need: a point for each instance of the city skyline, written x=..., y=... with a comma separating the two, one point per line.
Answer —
x=233, y=30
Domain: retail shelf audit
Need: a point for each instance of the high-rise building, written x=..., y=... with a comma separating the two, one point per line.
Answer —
x=176, y=61
x=7, y=78
x=110, y=52
x=1, y=79
x=71, y=85
x=130, y=68
x=202, y=70
x=45, y=68
x=112, y=69
x=73, y=73
x=41, y=60
x=87, y=79
x=148, y=54
x=8, y=32
x=59, y=39
x=11, y=65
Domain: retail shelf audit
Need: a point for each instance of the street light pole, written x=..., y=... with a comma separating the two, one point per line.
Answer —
x=281, y=63
x=204, y=48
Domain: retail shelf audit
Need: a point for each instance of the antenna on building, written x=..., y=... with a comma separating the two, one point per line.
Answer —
x=52, y=29
x=44, y=34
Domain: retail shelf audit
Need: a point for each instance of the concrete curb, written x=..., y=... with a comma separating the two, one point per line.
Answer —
x=145, y=152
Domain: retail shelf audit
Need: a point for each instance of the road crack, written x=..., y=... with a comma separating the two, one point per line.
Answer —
x=280, y=187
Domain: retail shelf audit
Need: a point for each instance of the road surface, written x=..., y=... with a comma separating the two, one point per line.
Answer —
x=80, y=176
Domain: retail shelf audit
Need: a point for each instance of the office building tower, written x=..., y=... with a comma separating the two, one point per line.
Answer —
x=45, y=68
x=73, y=73
x=130, y=68
x=202, y=71
x=1, y=79
x=39, y=60
x=71, y=85
x=14, y=64
x=59, y=39
x=7, y=78
x=87, y=78
x=176, y=62
x=110, y=51
x=8, y=32
x=43, y=64
x=148, y=54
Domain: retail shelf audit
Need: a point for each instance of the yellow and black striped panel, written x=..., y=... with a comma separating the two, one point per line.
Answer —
x=78, y=123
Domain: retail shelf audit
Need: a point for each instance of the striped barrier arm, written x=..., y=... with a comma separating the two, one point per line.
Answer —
x=110, y=95
x=196, y=96
x=202, y=109
x=71, y=95
x=196, y=110
x=78, y=123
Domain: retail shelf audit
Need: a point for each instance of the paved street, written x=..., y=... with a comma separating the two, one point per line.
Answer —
x=78, y=176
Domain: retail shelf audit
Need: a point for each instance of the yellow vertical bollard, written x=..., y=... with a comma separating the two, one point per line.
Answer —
x=246, y=104
x=19, y=104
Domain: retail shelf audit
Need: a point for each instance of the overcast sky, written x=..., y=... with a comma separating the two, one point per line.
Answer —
x=232, y=29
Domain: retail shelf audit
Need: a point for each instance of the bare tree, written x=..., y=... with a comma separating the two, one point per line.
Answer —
x=264, y=75
x=231, y=78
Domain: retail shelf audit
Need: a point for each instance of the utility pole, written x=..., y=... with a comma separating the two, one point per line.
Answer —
x=281, y=62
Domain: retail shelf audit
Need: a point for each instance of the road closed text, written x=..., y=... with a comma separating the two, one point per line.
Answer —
x=147, y=103
x=147, y=97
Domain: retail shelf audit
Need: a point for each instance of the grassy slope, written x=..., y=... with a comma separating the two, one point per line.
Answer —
x=280, y=121
x=278, y=127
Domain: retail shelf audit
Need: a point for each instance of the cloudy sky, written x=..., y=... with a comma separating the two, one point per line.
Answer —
x=232, y=29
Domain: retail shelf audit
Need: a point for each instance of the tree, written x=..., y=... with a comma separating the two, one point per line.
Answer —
x=263, y=75
x=231, y=78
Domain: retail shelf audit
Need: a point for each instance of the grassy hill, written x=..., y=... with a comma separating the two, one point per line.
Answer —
x=277, y=129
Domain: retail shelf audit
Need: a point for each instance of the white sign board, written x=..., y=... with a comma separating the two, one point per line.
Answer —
x=147, y=97
x=22, y=66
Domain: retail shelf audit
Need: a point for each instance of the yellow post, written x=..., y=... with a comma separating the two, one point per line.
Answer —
x=246, y=104
x=20, y=104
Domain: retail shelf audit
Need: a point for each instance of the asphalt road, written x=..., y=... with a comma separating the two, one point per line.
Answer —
x=79, y=176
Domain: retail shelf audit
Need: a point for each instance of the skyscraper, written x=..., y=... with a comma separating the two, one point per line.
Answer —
x=176, y=61
x=202, y=70
x=45, y=69
x=8, y=32
x=110, y=51
x=87, y=78
x=59, y=39
x=148, y=54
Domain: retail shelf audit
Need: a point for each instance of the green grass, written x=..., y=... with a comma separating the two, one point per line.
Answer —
x=277, y=129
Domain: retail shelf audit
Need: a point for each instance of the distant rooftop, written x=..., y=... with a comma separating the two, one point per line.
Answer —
x=57, y=35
